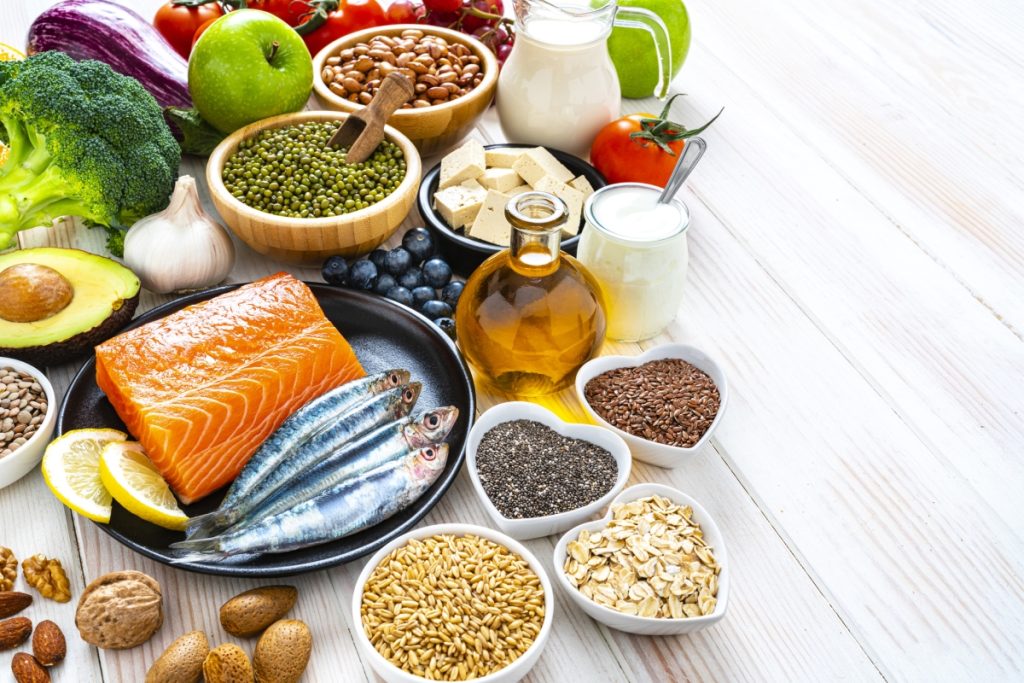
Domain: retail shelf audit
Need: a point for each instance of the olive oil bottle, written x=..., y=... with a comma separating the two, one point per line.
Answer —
x=531, y=315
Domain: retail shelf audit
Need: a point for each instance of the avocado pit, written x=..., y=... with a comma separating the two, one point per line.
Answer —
x=30, y=292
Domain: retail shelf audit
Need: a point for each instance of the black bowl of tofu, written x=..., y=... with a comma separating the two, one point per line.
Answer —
x=462, y=199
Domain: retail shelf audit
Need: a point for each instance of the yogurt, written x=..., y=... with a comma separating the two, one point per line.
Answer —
x=636, y=248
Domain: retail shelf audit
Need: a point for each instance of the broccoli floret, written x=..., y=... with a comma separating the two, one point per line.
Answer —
x=83, y=141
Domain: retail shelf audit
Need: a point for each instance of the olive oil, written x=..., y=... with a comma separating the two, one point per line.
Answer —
x=531, y=315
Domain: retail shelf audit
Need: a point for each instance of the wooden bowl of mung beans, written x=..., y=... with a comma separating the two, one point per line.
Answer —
x=306, y=222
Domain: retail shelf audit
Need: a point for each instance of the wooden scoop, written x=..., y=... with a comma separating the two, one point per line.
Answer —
x=364, y=129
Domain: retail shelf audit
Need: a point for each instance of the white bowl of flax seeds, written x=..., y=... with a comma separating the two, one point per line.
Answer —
x=28, y=412
x=665, y=403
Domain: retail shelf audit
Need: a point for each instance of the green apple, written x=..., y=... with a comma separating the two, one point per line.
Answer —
x=632, y=49
x=246, y=66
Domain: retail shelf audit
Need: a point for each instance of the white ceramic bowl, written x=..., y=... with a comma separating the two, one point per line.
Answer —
x=651, y=452
x=650, y=626
x=19, y=463
x=535, y=527
x=514, y=671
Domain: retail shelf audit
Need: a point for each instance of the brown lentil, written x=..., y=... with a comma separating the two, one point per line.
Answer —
x=528, y=470
x=22, y=409
x=667, y=401
x=452, y=607
x=440, y=71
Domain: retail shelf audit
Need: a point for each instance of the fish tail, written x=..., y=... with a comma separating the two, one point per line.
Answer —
x=208, y=525
x=198, y=550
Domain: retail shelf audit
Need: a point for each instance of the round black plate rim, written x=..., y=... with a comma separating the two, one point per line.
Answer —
x=240, y=570
x=424, y=198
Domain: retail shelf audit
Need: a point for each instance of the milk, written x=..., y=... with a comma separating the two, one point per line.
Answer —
x=558, y=87
x=636, y=248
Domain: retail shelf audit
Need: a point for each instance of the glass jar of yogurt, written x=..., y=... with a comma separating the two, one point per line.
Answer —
x=636, y=248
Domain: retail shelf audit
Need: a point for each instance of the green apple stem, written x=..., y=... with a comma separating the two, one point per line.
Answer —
x=274, y=47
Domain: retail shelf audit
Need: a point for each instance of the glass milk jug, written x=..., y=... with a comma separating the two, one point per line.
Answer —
x=559, y=86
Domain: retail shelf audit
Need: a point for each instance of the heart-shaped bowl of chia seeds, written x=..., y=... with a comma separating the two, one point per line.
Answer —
x=665, y=403
x=654, y=565
x=538, y=475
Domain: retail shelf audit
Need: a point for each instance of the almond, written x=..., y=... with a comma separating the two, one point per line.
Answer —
x=14, y=632
x=250, y=612
x=182, y=661
x=48, y=644
x=27, y=670
x=227, y=663
x=12, y=602
x=282, y=652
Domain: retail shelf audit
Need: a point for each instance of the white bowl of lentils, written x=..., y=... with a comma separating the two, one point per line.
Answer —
x=682, y=391
x=565, y=477
x=655, y=560
x=27, y=403
x=410, y=613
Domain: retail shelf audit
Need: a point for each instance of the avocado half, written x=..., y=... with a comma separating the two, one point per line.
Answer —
x=104, y=295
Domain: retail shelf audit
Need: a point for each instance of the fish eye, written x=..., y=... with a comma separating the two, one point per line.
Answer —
x=394, y=379
x=432, y=420
x=408, y=395
x=429, y=454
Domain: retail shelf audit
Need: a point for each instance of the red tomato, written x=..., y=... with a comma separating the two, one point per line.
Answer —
x=202, y=29
x=404, y=12
x=351, y=15
x=622, y=159
x=178, y=23
x=292, y=12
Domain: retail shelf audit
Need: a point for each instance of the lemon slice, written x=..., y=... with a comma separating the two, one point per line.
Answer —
x=10, y=54
x=71, y=468
x=133, y=481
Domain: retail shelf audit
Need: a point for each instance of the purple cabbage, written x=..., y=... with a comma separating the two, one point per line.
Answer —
x=117, y=36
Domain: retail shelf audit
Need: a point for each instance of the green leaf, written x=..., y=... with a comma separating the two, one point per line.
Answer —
x=198, y=136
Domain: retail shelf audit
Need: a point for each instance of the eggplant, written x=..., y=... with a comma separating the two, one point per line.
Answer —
x=117, y=36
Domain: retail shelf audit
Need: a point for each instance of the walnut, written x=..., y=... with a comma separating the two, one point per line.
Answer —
x=8, y=568
x=120, y=610
x=47, y=576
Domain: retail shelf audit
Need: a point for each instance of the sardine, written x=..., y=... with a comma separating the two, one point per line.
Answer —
x=345, y=509
x=382, y=445
x=304, y=423
x=366, y=415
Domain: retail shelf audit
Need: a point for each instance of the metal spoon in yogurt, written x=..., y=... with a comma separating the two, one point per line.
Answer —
x=692, y=152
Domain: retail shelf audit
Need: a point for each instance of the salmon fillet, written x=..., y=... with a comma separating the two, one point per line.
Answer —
x=203, y=387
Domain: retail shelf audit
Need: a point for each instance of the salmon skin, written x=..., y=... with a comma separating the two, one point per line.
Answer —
x=203, y=387
x=350, y=506
x=271, y=472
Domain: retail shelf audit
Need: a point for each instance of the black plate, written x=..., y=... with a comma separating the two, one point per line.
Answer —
x=384, y=335
x=463, y=253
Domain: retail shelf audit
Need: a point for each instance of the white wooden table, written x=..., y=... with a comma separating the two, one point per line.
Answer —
x=857, y=264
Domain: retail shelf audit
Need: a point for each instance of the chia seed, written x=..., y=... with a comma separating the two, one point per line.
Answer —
x=529, y=470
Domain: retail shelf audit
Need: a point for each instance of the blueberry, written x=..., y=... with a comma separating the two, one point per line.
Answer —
x=412, y=278
x=362, y=274
x=421, y=295
x=451, y=292
x=400, y=294
x=419, y=243
x=437, y=272
x=447, y=326
x=384, y=283
x=335, y=271
x=436, y=309
x=397, y=261
x=377, y=256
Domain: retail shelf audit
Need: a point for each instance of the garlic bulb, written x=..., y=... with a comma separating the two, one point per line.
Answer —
x=181, y=247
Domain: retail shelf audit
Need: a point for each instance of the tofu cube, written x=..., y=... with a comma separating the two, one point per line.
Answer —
x=503, y=157
x=490, y=224
x=518, y=190
x=583, y=185
x=458, y=205
x=572, y=197
x=463, y=164
x=537, y=163
x=500, y=179
x=473, y=184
